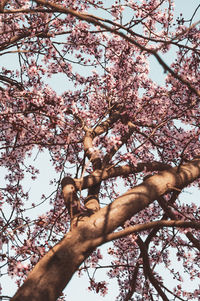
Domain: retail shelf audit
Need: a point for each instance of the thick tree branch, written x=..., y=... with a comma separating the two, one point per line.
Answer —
x=48, y=278
x=70, y=197
x=115, y=114
x=94, y=157
x=111, y=172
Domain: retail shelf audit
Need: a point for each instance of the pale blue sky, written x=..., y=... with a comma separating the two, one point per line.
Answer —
x=78, y=286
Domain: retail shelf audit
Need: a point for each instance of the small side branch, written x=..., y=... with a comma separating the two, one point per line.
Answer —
x=11, y=82
x=159, y=223
x=147, y=270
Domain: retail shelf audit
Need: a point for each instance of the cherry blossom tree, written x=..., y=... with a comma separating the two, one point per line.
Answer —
x=124, y=148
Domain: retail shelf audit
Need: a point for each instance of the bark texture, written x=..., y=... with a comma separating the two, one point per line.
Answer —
x=55, y=269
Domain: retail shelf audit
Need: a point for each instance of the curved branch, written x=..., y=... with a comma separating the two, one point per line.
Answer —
x=147, y=269
x=99, y=22
x=111, y=172
x=146, y=226
x=11, y=81
x=48, y=278
x=170, y=214
x=115, y=114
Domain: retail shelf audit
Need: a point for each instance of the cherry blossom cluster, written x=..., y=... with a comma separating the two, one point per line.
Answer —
x=93, y=71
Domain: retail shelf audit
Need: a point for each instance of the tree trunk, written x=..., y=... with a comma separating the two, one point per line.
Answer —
x=55, y=269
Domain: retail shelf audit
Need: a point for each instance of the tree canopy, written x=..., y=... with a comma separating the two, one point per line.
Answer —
x=76, y=84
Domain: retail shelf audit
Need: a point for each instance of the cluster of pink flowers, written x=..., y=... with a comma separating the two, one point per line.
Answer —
x=71, y=74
